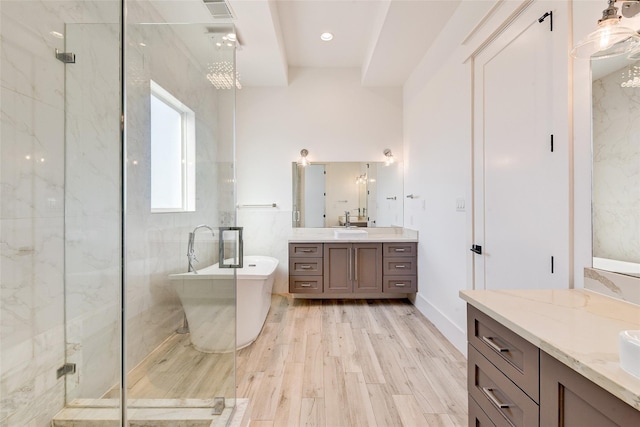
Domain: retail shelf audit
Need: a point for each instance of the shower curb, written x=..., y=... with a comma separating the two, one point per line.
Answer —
x=98, y=415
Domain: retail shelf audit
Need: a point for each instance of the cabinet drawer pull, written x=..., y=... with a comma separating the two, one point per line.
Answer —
x=400, y=266
x=493, y=398
x=400, y=285
x=399, y=249
x=496, y=347
x=306, y=250
x=305, y=285
x=355, y=274
x=305, y=267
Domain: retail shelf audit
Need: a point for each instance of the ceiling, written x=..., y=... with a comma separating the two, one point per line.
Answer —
x=385, y=39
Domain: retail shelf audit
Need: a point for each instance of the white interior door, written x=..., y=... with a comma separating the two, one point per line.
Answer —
x=520, y=185
x=314, y=195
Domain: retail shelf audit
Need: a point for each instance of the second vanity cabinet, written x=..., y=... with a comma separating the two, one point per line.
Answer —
x=511, y=382
x=503, y=373
x=353, y=268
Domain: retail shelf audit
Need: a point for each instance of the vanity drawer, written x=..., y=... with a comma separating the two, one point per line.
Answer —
x=500, y=399
x=301, y=250
x=399, y=266
x=399, y=249
x=477, y=417
x=305, y=266
x=305, y=284
x=516, y=357
x=400, y=284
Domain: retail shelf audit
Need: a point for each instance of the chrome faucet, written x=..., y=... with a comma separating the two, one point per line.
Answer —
x=191, y=255
x=347, y=224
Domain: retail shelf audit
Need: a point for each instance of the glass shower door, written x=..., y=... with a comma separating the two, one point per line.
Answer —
x=93, y=212
x=180, y=190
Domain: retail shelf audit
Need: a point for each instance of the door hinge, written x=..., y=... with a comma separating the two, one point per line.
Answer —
x=552, y=265
x=66, y=57
x=543, y=17
x=67, y=368
x=552, y=143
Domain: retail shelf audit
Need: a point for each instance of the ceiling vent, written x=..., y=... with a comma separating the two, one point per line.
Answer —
x=219, y=9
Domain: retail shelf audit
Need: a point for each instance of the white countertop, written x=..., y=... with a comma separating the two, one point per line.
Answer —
x=578, y=327
x=374, y=234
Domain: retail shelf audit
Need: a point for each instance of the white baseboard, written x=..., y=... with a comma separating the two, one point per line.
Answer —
x=450, y=330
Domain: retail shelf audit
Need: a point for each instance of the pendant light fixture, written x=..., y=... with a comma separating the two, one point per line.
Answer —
x=610, y=38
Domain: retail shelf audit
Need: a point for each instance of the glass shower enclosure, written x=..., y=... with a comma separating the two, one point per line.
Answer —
x=117, y=145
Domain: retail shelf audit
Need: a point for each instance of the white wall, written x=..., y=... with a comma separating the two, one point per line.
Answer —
x=323, y=110
x=437, y=129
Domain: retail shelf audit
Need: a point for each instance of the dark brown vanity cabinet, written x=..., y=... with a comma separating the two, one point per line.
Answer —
x=511, y=382
x=400, y=268
x=305, y=268
x=502, y=377
x=352, y=267
x=567, y=399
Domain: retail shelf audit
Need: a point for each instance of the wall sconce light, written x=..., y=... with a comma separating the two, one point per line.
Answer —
x=389, y=157
x=610, y=38
x=303, y=161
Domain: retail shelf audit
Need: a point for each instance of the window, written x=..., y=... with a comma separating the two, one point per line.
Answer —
x=172, y=153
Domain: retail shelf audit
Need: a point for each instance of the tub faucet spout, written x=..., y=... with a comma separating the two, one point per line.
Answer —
x=191, y=255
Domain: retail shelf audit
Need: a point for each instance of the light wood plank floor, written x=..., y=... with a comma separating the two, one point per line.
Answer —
x=351, y=363
x=330, y=363
x=176, y=370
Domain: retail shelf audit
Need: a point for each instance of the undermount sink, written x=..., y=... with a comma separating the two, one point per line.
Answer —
x=349, y=234
x=629, y=344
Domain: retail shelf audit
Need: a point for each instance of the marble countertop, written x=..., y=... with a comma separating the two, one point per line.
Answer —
x=578, y=327
x=377, y=234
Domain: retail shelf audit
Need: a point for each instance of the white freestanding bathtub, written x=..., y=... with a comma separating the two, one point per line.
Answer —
x=209, y=301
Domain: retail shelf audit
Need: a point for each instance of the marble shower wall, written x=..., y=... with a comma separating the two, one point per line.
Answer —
x=616, y=167
x=60, y=151
x=93, y=209
x=32, y=203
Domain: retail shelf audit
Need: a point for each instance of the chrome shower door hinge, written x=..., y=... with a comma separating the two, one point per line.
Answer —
x=66, y=57
x=67, y=368
x=218, y=406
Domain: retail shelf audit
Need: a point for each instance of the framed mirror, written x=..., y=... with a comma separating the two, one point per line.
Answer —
x=616, y=165
x=370, y=191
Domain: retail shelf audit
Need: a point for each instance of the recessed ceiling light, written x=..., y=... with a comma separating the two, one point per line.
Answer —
x=326, y=37
x=231, y=36
x=56, y=34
